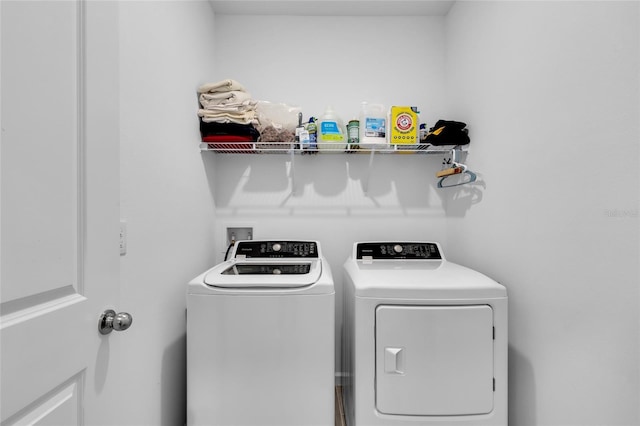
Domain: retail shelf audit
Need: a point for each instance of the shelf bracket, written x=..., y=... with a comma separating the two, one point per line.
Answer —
x=292, y=173
x=365, y=183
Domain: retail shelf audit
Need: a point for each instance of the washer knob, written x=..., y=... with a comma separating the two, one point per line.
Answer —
x=397, y=248
x=276, y=247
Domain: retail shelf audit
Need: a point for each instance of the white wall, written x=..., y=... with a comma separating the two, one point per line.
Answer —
x=551, y=91
x=315, y=61
x=312, y=62
x=166, y=51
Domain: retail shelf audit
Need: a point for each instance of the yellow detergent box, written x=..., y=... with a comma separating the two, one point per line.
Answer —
x=403, y=125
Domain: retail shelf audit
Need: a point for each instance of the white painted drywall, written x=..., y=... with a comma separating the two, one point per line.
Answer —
x=313, y=62
x=166, y=51
x=551, y=95
x=551, y=91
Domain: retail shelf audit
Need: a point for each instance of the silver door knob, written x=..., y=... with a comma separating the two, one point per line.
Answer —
x=110, y=321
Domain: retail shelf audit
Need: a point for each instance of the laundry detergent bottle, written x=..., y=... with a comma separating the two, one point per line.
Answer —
x=372, y=125
x=332, y=134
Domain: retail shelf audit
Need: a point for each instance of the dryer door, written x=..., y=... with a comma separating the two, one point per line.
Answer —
x=434, y=360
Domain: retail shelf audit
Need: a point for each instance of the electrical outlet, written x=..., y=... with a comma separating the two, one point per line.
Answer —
x=123, y=237
x=239, y=233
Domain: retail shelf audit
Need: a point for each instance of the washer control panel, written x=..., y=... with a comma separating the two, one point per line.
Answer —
x=276, y=249
x=398, y=250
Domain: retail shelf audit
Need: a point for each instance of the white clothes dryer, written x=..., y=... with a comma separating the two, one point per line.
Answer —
x=260, y=338
x=424, y=339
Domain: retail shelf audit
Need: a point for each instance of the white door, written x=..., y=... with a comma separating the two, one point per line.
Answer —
x=59, y=217
x=434, y=360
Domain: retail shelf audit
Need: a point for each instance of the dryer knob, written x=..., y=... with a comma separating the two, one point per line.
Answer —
x=276, y=247
x=397, y=248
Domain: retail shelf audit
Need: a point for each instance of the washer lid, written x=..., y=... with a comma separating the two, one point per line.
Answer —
x=265, y=273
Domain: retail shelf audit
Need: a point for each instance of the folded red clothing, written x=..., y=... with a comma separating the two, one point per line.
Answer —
x=227, y=138
x=229, y=143
x=238, y=147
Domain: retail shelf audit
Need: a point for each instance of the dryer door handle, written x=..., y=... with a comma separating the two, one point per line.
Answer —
x=394, y=360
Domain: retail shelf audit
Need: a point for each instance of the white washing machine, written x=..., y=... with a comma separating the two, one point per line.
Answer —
x=260, y=338
x=425, y=340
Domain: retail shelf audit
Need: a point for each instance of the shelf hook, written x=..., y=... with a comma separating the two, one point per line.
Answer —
x=456, y=168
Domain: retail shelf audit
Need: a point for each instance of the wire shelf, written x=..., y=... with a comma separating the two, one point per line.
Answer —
x=322, y=148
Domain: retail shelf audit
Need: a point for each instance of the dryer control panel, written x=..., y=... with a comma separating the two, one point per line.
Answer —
x=398, y=250
x=277, y=249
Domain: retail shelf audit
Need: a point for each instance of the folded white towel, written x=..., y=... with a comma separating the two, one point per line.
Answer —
x=223, y=98
x=245, y=106
x=221, y=86
x=246, y=117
